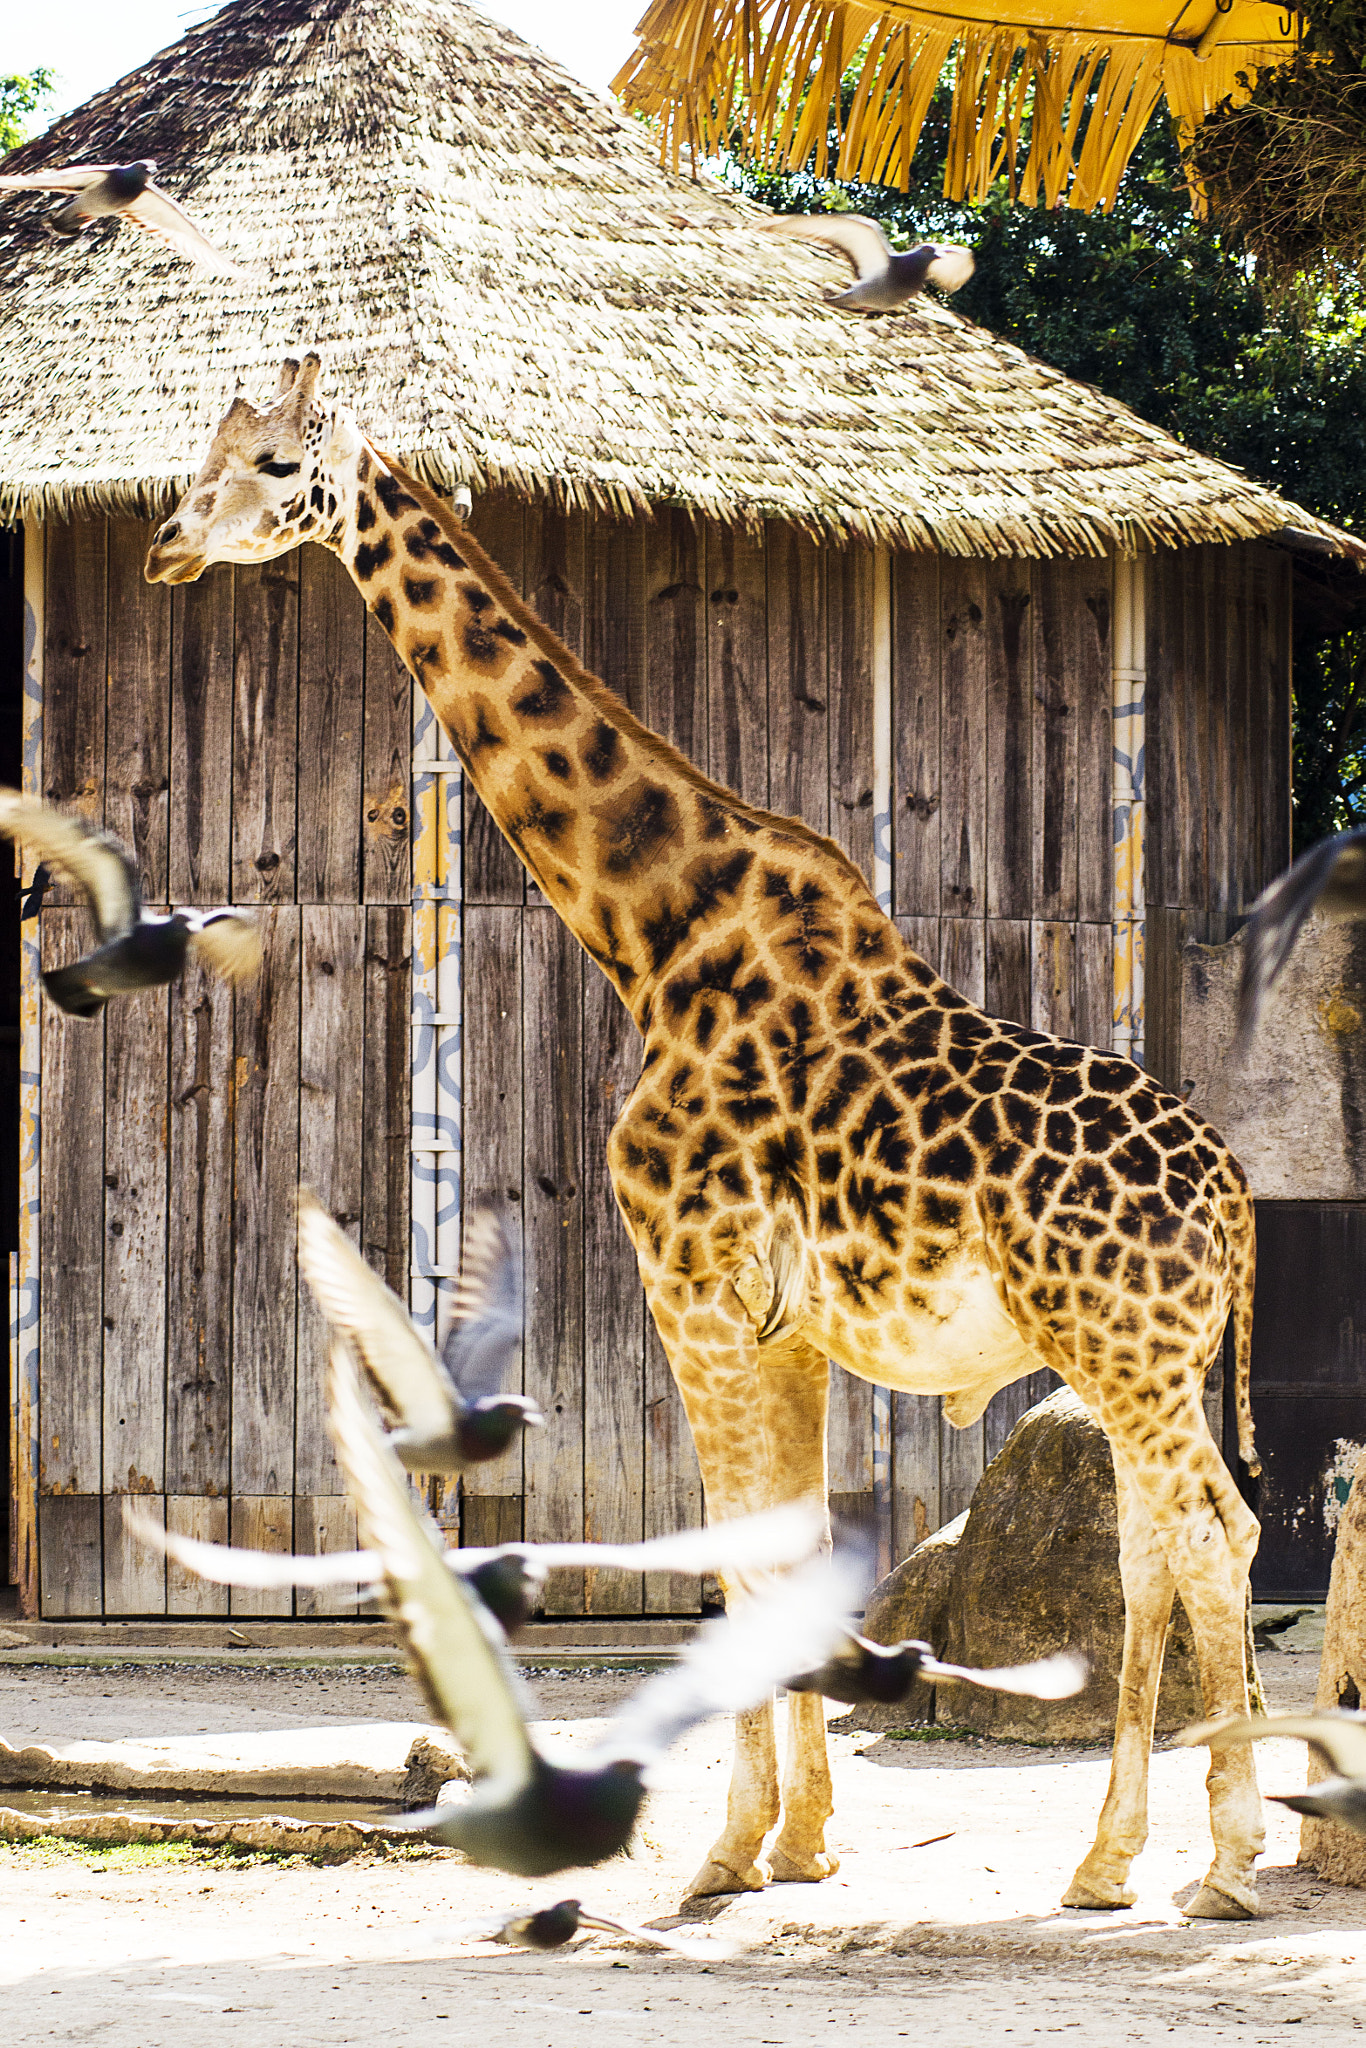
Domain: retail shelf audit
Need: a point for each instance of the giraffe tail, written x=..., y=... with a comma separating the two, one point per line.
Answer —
x=1240, y=1231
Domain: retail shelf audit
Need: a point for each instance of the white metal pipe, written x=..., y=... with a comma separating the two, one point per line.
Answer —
x=882, y=889
x=24, y=1359
x=1128, y=810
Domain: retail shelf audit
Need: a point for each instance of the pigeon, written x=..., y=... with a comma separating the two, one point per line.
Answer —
x=527, y=1813
x=507, y=1579
x=887, y=278
x=555, y=1925
x=1330, y=878
x=136, y=950
x=860, y=1672
x=450, y=1412
x=1339, y=1738
x=127, y=192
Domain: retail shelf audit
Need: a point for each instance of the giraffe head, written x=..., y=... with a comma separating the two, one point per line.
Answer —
x=270, y=480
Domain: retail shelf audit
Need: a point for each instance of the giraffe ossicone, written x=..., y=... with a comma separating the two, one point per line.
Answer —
x=829, y=1154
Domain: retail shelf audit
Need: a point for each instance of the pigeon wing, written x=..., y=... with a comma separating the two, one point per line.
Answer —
x=229, y=944
x=99, y=865
x=1280, y=913
x=784, y=1536
x=227, y=1564
x=75, y=178
x=855, y=236
x=401, y=1368
x=705, y=1948
x=484, y=1340
x=951, y=266
x=1048, y=1678
x=736, y=1662
x=455, y=1650
x=1340, y=1739
x=157, y=214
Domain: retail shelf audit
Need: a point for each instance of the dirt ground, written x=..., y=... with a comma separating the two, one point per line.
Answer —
x=957, y=1940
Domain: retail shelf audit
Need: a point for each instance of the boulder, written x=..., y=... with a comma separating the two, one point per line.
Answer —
x=1337, y=1853
x=1032, y=1567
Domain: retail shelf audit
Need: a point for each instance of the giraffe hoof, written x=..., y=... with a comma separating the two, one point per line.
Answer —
x=1098, y=1894
x=1226, y=1900
x=802, y=1869
x=715, y=1879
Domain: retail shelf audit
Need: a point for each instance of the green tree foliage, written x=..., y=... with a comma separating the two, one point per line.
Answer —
x=1157, y=308
x=21, y=94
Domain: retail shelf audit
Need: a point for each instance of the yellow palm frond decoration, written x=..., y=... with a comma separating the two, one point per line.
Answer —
x=1056, y=97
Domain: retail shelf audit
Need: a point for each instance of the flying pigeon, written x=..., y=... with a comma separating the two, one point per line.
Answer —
x=1330, y=878
x=887, y=278
x=136, y=950
x=126, y=191
x=528, y=1814
x=555, y=1925
x=1339, y=1738
x=448, y=1412
x=861, y=1671
x=507, y=1579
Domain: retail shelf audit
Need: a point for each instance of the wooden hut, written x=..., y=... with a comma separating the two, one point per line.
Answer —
x=890, y=574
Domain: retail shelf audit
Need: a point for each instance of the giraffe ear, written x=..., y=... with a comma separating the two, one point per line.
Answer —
x=289, y=371
x=306, y=384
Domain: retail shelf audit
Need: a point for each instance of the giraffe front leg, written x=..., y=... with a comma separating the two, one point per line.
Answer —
x=1102, y=1879
x=799, y=1856
x=733, y=1863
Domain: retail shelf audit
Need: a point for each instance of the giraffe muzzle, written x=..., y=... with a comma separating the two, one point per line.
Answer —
x=172, y=561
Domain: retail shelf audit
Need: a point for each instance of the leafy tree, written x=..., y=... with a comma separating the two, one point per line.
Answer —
x=21, y=94
x=1160, y=309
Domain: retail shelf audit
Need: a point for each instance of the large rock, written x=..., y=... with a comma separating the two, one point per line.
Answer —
x=1031, y=1568
x=1336, y=1853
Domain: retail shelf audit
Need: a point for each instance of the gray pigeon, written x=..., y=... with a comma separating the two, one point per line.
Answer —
x=861, y=1671
x=1329, y=878
x=446, y=1413
x=136, y=950
x=527, y=1814
x=127, y=192
x=1339, y=1738
x=888, y=278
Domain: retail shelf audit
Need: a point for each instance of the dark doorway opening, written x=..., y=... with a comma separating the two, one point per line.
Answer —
x=11, y=774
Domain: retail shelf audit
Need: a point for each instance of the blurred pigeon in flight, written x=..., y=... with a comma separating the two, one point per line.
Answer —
x=136, y=950
x=127, y=192
x=449, y=1412
x=860, y=1672
x=1330, y=878
x=527, y=1814
x=887, y=278
x=555, y=1925
x=1339, y=1738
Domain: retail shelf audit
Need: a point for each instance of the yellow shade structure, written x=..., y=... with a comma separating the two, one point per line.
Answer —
x=1055, y=96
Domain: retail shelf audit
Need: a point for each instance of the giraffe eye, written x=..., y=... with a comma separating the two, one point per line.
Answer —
x=268, y=466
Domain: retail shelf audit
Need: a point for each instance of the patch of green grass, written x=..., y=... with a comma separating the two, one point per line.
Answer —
x=45, y=1850
x=935, y=1731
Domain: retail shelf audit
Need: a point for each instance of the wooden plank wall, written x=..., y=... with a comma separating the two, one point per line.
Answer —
x=250, y=740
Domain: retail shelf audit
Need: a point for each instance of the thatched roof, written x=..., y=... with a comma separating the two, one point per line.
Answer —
x=510, y=290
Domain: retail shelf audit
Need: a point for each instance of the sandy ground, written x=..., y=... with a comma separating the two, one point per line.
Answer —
x=960, y=1940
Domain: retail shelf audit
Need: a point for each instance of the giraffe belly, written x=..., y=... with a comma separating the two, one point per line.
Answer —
x=953, y=1337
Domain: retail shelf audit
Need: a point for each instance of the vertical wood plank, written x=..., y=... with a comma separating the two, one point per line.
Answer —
x=70, y=1568
x=1095, y=738
x=71, y=1256
x=201, y=738
x=555, y=568
x=1278, y=693
x=613, y=1305
x=493, y=1167
x=1220, y=853
x=922, y=936
x=963, y=957
x=498, y=522
x=262, y=1522
x=1008, y=980
x=1243, y=770
x=137, y=755
x=199, y=1237
x=915, y=1471
x=1057, y=643
x=74, y=658
x=265, y=730
x=135, y=1229
x=962, y=1461
x=331, y=721
x=385, y=1178
x=324, y=1524
x=553, y=1206
x=798, y=686
x=1256, y=741
x=917, y=813
x=675, y=633
x=1159, y=776
x=206, y=1519
x=386, y=805
x=1194, y=773
x=614, y=608
x=1095, y=985
x=332, y=1143
x=492, y=871
x=134, y=1573
x=1053, y=976
x=265, y=1173
x=673, y=1479
x=963, y=814
x=849, y=667
x=1009, y=740
x=737, y=662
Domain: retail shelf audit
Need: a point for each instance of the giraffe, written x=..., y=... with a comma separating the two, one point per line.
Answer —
x=829, y=1154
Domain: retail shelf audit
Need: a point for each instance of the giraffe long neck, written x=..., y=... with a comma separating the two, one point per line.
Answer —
x=631, y=845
